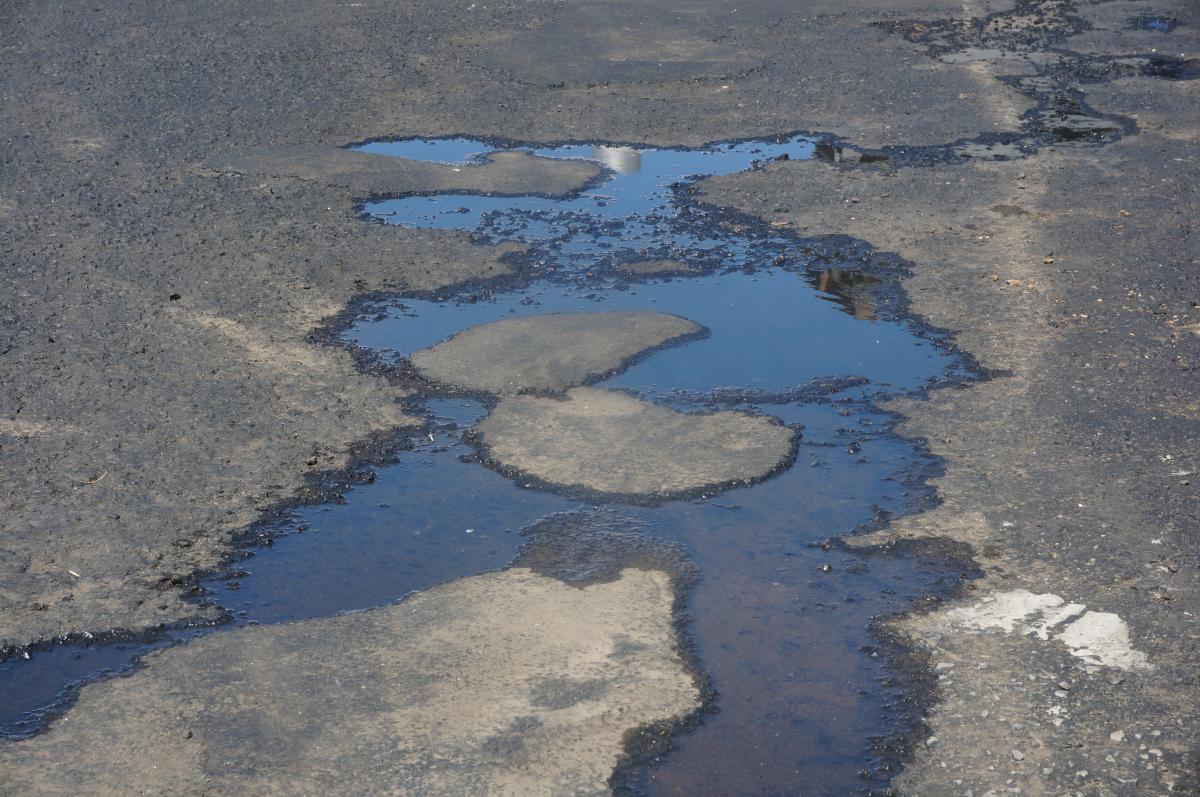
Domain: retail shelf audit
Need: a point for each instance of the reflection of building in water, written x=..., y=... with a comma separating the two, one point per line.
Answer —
x=835, y=154
x=622, y=160
x=828, y=152
x=850, y=289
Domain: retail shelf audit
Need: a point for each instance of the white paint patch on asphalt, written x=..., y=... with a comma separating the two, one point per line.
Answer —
x=1005, y=610
x=1052, y=617
x=1099, y=638
x=1103, y=638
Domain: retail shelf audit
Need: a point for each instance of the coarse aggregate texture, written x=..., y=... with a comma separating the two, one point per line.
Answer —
x=138, y=431
x=657, y=267
x=1072, y=274
x=203, y=411
x=612, y=443
x=504, y=683
x=550, y=352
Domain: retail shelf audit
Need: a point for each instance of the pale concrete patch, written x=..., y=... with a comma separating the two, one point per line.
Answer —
x=1103, y=638
x=368, y=173
x=505, y=683
x=1099, y=638
x=611, y=442
x=547, y=352
x=1005, y=610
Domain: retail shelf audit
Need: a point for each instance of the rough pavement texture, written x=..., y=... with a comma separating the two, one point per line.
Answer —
x=201, y=412
x=130, y=420
x=595, y=546
x=609, y=442
x=549, y=352
x=1074, y=271
x=505, y=683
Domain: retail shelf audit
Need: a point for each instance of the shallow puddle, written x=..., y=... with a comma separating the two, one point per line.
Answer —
x=780, y=623
x=780, y=619
x=1159, y=24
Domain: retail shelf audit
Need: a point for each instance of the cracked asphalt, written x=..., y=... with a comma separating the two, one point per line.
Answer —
x=163, y=388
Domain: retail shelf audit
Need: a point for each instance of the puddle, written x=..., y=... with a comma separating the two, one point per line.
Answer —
x=1079, y=127
x=995, y=151
x=768, y=331
x=1159, y=24
x=813, y=333
x=781, y=623
x=1172, y=68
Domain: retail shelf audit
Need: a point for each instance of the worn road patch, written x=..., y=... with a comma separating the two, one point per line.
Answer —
x=510, y=682
x=609, y=442
x=547, y=352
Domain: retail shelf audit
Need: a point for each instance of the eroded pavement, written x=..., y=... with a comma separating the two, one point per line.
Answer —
x=510, y=682
x=164, y=277
x=611, y=443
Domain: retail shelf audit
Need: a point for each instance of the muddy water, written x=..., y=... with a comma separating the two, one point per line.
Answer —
x=808, y=332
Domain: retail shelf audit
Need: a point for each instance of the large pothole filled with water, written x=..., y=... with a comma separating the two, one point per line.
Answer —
x=667, y=368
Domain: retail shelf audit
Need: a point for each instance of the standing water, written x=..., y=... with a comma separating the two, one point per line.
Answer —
x=780, y=622
x=780, y=618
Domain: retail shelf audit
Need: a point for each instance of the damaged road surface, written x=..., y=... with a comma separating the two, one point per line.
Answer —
x=545, y=678
x=507, y=399
x=562, y=379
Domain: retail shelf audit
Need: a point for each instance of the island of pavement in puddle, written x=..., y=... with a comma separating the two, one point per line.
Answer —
x=664, y=368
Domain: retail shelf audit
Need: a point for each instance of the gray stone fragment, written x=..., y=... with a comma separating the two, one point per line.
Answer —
x=610, y=442
x=547, y=352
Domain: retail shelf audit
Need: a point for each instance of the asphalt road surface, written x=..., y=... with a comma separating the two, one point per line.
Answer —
x=177, y=226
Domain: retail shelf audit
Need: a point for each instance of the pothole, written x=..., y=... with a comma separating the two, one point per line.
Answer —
x=810, y=334
x=802, y=336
